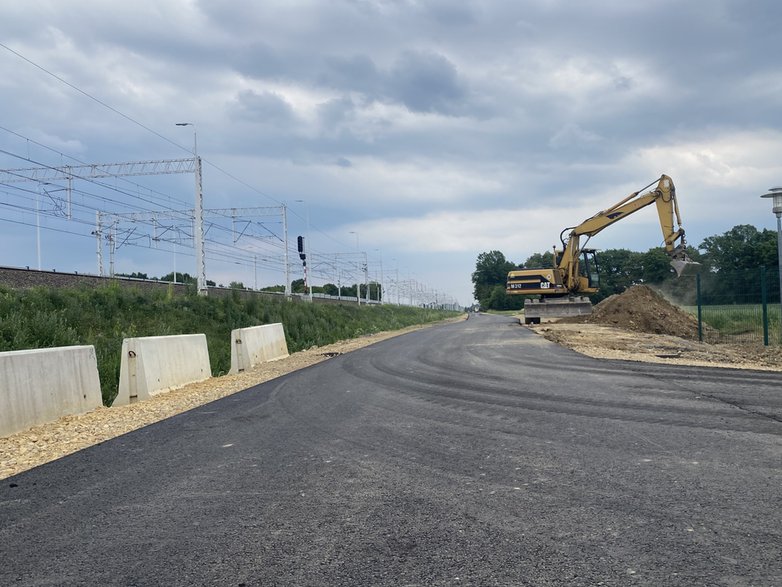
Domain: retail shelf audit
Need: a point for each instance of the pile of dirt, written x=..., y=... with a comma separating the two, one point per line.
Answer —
x=642, y=309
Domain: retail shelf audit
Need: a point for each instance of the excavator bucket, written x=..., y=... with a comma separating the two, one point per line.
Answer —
x=685, y=267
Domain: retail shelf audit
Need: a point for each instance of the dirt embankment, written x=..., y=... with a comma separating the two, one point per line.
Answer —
x=641, y=325
x=641, y=309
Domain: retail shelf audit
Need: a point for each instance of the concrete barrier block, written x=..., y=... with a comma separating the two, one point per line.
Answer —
x=255, y=345
x=155, y=364
x=42, y=385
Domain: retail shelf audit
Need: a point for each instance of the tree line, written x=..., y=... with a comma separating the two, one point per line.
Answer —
x=730, y=270
x=371, y=291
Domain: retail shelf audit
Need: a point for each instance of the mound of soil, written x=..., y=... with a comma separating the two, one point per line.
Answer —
x=642, y=309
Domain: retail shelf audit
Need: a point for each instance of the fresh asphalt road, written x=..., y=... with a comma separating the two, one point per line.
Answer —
x=474, y=453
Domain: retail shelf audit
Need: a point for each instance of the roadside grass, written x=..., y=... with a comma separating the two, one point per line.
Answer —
x=104, y=316
x=741, y=321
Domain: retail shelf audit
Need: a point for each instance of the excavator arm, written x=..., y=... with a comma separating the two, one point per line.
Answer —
x=663, y=195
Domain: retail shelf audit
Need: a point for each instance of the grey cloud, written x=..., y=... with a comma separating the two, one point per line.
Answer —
x=262, y=107
x=335, y=112
x=423, y=81
x=426, y=82
x=572, y=135
x=357, y=72
x=449, y=13
x=258, y=60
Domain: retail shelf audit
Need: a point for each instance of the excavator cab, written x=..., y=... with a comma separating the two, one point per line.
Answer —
x=589, y=268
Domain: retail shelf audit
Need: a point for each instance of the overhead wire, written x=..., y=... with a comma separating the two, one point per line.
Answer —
x=155, y=133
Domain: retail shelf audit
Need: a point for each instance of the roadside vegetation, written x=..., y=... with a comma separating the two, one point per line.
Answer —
x=742, y=321
x=104, y=316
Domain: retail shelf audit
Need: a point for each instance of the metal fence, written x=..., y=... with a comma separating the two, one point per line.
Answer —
x=738, y=307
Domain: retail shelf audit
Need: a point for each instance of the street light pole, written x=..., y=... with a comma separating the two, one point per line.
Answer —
x=198, y=220
x=776, y=195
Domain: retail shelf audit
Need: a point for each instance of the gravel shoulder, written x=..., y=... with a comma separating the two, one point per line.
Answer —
x=640, y=324
x=609, y=342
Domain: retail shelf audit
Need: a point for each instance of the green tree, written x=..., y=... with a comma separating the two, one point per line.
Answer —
x=180, y=277
x=500, y=300
x=742, y=247
x=655, y=265
x=491, y=270
x=619, y=269
x=135, y=275
x=184, y=278
x=539, y=261
x=330, y=289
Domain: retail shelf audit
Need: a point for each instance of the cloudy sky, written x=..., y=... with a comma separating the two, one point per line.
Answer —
x=420, y=132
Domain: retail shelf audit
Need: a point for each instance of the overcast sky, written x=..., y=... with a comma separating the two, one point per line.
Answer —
x=422, y=131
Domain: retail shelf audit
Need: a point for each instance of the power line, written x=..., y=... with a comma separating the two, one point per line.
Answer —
x=140, y=125
x=90, y=96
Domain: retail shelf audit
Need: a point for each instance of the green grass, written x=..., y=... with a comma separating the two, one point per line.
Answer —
x=104, y=316
x=741, y=321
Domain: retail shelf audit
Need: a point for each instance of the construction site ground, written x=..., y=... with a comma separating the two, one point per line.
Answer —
x=638, y=325
x=641, y=325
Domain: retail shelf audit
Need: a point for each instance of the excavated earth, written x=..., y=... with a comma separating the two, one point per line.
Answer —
x=638, y=325
x=641, y=325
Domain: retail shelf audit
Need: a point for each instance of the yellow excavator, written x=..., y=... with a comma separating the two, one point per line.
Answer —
x=562, y=288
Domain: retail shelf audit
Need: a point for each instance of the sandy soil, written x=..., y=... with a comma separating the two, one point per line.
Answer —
x=641, y=325
x=610, y=342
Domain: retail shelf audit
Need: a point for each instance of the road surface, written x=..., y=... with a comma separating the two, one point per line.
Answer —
x=474, y=453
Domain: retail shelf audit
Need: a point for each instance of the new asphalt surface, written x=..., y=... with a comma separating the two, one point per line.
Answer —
x=474, y=453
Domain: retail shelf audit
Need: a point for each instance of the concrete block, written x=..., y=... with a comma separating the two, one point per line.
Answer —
x=42, y=385
x=155, y=364
x=255, y=345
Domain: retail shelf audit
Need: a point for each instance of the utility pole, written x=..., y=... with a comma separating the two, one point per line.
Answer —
x=358, y=285
x=112, y=247
x=198, y=217
x=99, y=240
x=366, y=277
x=287, y=262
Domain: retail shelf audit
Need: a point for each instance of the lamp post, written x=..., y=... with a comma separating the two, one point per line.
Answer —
x=198, y=220
x=776, y=199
